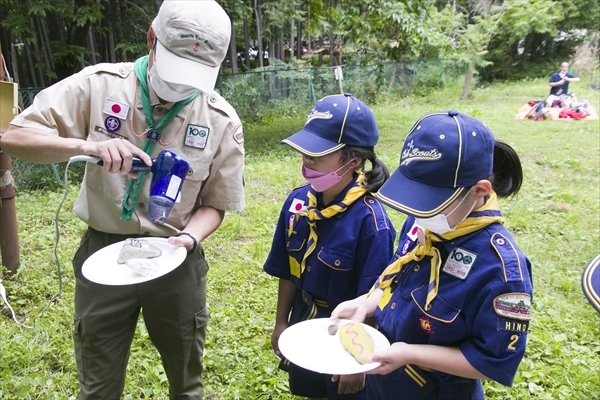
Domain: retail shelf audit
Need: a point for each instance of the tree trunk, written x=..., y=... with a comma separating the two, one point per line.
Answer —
x=112, y=55
x=281, y=44
x=468, y=78
x=91, y=45
x=233, y=51
x=246, y=42
x=258, y=13
x=46, y=42
x=36, y=55
x=292, y=40
x=30, y=65
x=299, y=39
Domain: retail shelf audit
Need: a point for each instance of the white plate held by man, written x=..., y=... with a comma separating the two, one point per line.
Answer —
x=133, y=261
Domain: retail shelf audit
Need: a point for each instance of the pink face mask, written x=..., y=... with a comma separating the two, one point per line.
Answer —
x=322, y=181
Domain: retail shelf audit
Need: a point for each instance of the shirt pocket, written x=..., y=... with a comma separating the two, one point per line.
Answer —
x=295, y=244
x=190, y=192
x=439, y=308
x=335, y=260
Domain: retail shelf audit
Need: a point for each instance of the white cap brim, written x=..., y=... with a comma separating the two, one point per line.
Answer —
x=174, y=69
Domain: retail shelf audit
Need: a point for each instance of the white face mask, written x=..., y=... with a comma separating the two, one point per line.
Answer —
x=439, y=223
x=172, y=92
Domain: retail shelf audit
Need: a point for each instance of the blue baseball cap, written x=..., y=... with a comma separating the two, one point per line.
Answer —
x=334, y=122
x=443, y=154
x=590, y=282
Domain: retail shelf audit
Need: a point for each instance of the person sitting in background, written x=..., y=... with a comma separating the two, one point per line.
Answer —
x=559, y=83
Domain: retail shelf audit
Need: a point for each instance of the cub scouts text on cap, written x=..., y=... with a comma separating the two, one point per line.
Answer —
x=443, y=154
x=334, y=122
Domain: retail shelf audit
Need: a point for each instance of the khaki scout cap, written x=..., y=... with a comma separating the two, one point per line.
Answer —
x=193, y=37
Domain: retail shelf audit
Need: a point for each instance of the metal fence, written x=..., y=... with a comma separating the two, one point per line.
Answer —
x=282, y=85
x=258, y=94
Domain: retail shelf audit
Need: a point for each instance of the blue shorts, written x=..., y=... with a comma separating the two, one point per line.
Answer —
x=412, y=383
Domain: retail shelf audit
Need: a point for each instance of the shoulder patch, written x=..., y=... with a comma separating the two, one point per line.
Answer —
x=379, y=215
x=511, y=263
x=513, y=306
x=238, y=135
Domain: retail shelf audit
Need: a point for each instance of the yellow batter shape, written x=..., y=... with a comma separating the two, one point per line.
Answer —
x=357, y=341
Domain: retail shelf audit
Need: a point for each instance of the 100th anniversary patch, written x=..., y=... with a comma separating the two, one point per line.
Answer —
x=196, y=136
x=459, y=262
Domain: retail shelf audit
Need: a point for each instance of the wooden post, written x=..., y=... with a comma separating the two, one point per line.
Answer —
x=2, y=77
x=9, y=239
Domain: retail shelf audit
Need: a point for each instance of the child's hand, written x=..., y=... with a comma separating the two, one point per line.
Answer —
x=349, y=383
x=391, y=358
x=279, y=328
x=350, y=309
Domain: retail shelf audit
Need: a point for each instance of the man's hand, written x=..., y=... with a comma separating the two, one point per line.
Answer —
x=116, y=155
x=182, y=241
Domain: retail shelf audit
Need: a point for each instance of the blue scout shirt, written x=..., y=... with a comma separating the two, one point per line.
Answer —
x=562, y=89
x=353, y=247
x=482, y=307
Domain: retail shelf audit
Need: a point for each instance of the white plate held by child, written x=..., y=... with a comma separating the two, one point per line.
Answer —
x=309, y=345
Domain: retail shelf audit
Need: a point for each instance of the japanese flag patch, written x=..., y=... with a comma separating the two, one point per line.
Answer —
x=297, y=206
x=412, y=233
x=115, y=108
x=459, y=262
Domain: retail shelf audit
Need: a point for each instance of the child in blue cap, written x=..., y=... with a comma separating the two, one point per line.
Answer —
x=456, y=302
x=333, y=238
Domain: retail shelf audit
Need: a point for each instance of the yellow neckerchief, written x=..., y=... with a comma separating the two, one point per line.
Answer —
x=469, y=225
x=313, y=215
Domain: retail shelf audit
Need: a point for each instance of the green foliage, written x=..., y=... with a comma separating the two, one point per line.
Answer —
x=29, y=176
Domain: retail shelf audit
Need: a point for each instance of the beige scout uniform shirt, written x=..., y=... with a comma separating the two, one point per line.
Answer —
x=207, y=130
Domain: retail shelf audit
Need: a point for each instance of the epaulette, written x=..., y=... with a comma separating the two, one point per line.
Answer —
x=303, y=185
x=511, y=262
x=379, y=216
x=120, y=69
x=215, y=100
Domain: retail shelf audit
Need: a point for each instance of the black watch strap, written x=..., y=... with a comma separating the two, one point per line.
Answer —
x=193, y=238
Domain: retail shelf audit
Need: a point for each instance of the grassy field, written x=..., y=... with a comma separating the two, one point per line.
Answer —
x=555, y=219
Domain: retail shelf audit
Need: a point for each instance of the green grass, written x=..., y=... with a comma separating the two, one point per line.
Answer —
x=555, y=219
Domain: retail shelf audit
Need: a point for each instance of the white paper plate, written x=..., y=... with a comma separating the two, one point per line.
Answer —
x=102, y=267
x=309, y=345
